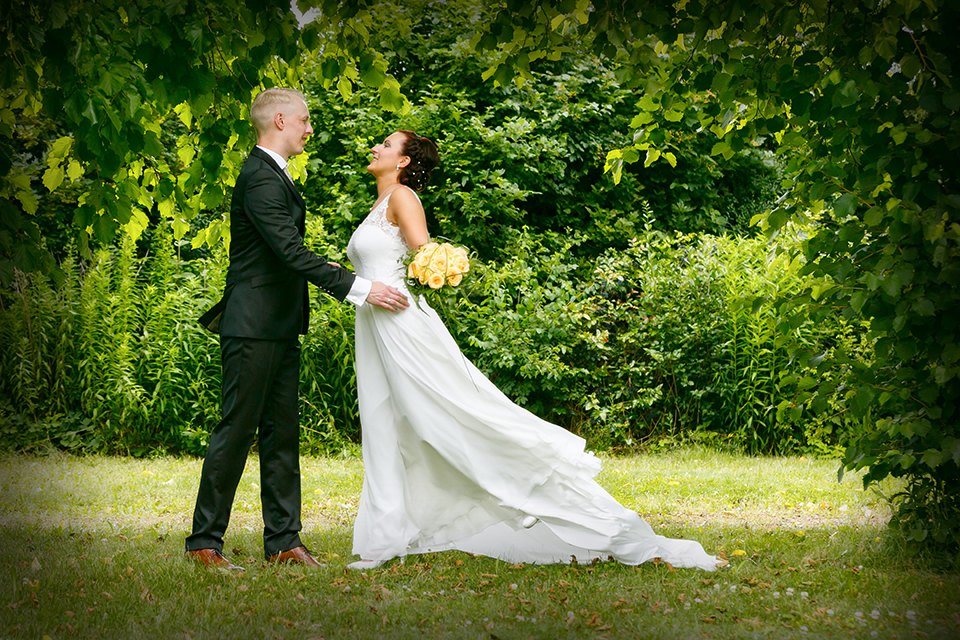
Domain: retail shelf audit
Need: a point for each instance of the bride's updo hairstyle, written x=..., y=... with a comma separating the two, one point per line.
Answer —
x=423, y=158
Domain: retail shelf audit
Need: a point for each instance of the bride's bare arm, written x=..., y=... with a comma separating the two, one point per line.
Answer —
x=405, y=211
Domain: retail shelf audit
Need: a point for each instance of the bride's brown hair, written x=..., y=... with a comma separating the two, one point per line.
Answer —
x=423, y=158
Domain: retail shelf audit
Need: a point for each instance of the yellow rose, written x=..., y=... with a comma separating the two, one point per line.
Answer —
x=425, y=253
x=453, y=279
x=435, y=281
x=439, y=263
x=424, y=275
x=461, y=263
x=413, y=270
x=461, y=251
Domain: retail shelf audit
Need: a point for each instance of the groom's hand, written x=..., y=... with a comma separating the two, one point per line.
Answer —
x=387, y=297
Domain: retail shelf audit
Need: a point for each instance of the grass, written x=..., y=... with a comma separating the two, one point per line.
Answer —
x=92, y=548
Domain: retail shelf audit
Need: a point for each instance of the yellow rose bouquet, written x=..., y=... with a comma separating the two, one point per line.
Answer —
x=435, y=266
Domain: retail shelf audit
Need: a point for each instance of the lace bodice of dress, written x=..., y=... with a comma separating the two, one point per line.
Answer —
x=377, y=249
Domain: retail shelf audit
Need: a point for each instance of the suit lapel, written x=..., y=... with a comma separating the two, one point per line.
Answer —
x=280, y=174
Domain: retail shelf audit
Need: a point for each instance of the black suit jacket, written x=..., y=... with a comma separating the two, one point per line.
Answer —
x=266, y=293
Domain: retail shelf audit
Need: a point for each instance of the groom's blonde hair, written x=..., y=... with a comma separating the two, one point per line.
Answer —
x=265, y=106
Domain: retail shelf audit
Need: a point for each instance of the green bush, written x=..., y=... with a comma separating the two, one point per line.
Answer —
x=114, y=360
x=677, y=336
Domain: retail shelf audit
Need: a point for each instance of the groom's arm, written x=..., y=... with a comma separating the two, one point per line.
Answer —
x=265, y=201
x=359, y=291
x=266, y=204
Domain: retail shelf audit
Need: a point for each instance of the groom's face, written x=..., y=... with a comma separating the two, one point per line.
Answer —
x=296, y=127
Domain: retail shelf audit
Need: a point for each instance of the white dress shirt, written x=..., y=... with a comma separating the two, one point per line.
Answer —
x=361, y=286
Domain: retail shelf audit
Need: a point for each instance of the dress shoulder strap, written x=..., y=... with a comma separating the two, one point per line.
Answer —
x=415, y=194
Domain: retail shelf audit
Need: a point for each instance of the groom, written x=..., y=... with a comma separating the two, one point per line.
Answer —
x=264, y=310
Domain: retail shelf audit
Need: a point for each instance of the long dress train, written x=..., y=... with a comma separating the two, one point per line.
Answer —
x=451, y=463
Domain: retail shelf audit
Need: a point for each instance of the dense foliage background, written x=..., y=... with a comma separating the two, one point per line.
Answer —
x=609, y=165
x=595, y=310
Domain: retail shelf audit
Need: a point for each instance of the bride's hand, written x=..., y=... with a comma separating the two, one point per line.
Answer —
x=387, y=297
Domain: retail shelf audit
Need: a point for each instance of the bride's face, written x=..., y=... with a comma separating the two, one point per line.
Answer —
x=388, y=155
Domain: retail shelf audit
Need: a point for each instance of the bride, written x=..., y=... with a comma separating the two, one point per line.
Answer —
x=450, y=462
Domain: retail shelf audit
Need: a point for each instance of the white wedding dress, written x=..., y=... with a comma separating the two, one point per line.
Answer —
x=451, y=463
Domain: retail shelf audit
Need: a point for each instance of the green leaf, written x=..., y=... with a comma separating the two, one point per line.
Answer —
x=52, y=178
x=776, y=219
x=891, y=285
x=90, y=113
x=857, y=300
x=874, y=216
x=74, y=170
x=720, y=148
x=647, y=103
x=373, y=77
x=951, y=100
x=845, y=205
x=924, y=307
x=886, y=46
x=59, y=149
x=906, y=349
x=641, y=119
x=503, y=74
x=185, y=113
x=933, y=458
x=910, y=65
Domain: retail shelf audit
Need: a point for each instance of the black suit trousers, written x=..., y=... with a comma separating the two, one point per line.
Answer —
x=259, y=396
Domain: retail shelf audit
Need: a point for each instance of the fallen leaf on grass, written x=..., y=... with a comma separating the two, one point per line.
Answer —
x=35, y=565
x=106, y=595
x=738, y=552
x=289, y=624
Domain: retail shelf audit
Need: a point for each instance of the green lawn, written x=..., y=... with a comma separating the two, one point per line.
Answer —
x=92, y=548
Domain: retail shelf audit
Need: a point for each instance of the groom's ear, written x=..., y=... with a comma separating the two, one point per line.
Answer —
x=278, y=120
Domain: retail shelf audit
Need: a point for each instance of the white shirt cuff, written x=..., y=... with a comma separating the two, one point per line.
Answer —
x=359, y=291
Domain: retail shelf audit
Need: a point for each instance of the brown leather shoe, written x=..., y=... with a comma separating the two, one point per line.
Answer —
x=212, y=558
x=300, y=555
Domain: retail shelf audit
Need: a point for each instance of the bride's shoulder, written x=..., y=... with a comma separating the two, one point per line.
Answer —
x=405, y=196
